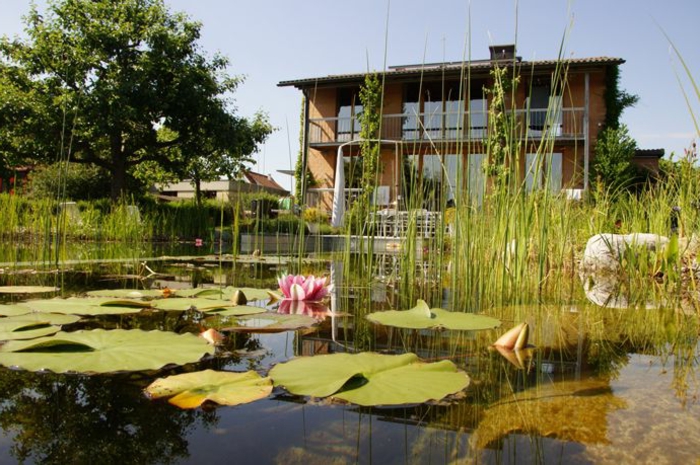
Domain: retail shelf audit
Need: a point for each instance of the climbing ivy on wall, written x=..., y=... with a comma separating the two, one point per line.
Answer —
x=299, y=166
x=370, y=130
x=370, y=124
x=616, y=99
x=501, y=145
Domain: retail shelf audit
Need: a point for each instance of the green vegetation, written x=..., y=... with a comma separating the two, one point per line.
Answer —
x=612, y=166
x=116, y=85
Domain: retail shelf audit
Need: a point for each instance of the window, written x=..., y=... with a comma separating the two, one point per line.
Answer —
x=437, y=179
x=349, y=109
x=433, y=110
x=478, y=118
x=551, y=172
x=476, y=183
x=545, y=111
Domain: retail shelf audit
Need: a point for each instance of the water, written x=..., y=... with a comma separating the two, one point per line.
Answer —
x=602, y=385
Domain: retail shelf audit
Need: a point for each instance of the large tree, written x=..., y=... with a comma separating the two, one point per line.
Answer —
x=98, y=79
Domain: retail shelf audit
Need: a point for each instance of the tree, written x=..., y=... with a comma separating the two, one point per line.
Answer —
x=97, y=80
x=614, y=150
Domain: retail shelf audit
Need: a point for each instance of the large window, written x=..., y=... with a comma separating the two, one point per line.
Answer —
x=430, y=180
x=476, y=181
x=433, y=110
x=545, y=110
x=540, y=169
x=349, y=110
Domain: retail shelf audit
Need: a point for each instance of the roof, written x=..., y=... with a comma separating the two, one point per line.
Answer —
x=454, y=68
x=649, y=153
x=263, y=180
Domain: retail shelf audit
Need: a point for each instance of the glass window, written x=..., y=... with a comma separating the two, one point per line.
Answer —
x=552, y=172
x=349, y=108
x=478, y=118
x=476, y=183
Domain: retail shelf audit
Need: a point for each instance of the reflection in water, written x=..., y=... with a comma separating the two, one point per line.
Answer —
x=82, y=419
x=603, y=384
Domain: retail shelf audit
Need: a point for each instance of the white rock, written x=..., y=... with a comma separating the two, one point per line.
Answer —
x=604, y=251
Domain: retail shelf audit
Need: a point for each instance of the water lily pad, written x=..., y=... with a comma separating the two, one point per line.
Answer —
x=226, y=293
x=27, y=289
x=33, y=325
x=101, y=351
x=14, y=309
x=423, y=317
x=201, y=304
x=87, y=306
x=370, y=378
x=261, y=323
x=190, y=390
x=127, y=293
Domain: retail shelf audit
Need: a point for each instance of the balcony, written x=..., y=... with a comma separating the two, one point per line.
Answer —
x=564, y=124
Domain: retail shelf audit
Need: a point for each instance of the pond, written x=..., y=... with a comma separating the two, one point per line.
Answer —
x=599, y=384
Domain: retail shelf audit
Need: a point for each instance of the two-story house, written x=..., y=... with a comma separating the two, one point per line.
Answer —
x=435, y=121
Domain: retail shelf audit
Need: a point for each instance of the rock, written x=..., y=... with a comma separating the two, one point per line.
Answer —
x=604, y=251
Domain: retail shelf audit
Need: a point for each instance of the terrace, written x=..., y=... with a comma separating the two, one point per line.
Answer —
x=561, y=124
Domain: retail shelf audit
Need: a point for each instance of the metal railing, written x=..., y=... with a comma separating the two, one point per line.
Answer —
x=564, y=123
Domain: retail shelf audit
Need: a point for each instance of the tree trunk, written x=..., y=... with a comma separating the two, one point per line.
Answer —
x=118, y=171
x=198, y=191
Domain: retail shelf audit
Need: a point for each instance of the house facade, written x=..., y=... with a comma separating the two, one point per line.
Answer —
x=223, y=189
x=435, y=123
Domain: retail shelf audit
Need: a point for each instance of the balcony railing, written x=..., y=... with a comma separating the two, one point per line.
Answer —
x=564, y=124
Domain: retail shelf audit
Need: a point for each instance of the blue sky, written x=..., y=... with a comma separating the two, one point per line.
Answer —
x=269, y=41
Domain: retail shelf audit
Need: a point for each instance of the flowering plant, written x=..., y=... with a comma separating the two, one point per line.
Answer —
x=298, y=287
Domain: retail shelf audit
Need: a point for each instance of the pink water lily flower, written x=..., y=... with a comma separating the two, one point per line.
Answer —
x=298, y=287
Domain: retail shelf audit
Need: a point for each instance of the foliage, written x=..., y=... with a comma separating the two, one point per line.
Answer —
x=260, y=323
x=616, y=99
x=100, y=351
x=88, y=306
x=315, y=215
x=190, y=390
x=501, y=146
x=423, y=317
x=371, y=97
x=299, y=181
x=612, y=165
x=95, y=81
x=70, y=181
x=369, y=378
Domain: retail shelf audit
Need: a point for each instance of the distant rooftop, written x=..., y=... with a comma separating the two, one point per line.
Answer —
x=263, y=180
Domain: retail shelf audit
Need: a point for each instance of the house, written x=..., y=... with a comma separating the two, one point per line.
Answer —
x=223, y=189
x=435, y=123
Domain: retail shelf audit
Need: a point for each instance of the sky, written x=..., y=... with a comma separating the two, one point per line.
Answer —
x=268, y=41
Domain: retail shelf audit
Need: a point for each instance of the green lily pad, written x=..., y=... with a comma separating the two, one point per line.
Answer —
x=87, y=306
x=27, y=289
x=423, y=317
x=199, y=303
x=226, y=293
x=369, y=378
x=14, y=310
x=127, y=293
x=238, y=310
x=261, y=323
x=190, y=390
x=33, y=325
x=101, y=351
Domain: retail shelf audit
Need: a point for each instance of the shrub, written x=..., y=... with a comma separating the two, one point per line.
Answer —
x=72, y=181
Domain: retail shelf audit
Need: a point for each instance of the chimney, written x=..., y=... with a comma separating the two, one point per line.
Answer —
x=502, y=52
